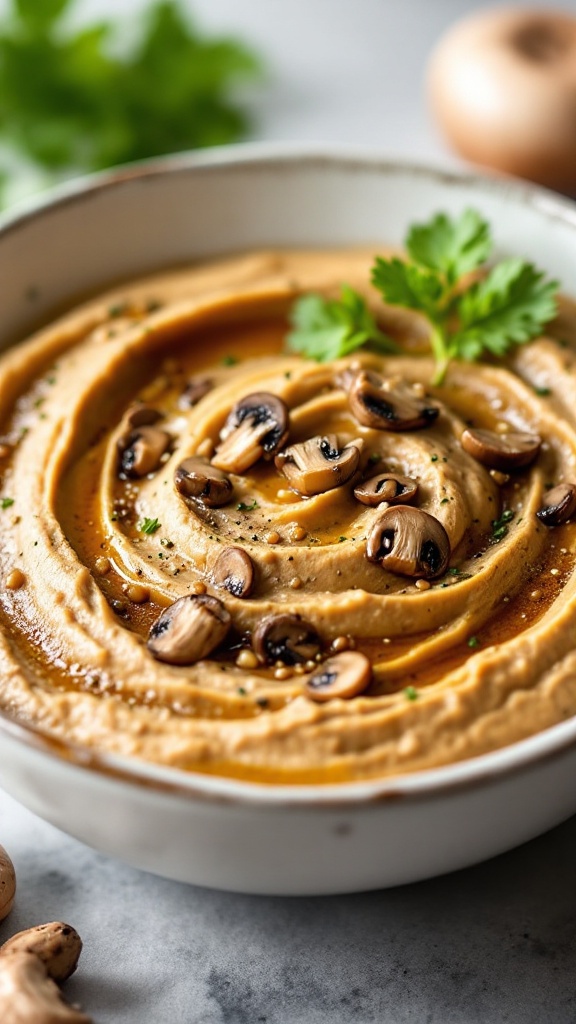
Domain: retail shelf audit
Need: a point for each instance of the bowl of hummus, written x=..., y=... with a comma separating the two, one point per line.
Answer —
x=276, y=623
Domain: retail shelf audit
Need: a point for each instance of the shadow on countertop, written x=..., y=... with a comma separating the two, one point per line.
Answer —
x=491, y=944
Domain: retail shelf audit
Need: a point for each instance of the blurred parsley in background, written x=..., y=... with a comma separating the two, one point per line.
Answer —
x=81, y=99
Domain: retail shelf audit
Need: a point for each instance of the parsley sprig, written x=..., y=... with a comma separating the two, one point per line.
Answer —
x=326, y=329
x=468, y=318
x=75, y=99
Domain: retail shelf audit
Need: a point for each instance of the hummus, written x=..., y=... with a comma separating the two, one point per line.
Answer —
x=465, y=661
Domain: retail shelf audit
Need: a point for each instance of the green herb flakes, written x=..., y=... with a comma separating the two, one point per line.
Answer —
x=148, y=526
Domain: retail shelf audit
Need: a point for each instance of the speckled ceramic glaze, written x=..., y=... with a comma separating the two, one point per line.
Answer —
x=223, y=833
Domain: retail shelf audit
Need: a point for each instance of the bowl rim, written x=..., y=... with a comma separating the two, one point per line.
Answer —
x=551, y=744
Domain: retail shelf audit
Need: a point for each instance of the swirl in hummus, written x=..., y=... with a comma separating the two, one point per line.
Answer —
x=467, y=655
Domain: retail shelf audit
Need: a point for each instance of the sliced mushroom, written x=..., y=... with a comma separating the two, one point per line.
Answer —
x=141, y=450
x=141, y=415
x=501, y=451
x=287, y=638
x=257, y=426
x=190, y=629
x=196, y=477
x=409, y=542
x=345, y=675
x=195, y=390
x=558, y=505
x=388, y=404
x=319, y=464
x=234, y=571
x=386, y=487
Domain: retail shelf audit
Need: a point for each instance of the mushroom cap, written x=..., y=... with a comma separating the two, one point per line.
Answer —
x=345, y=675
x=514, y=450
x=287, y=638
x=56, y=944
x=196, y=477
x=7, y=884
x=319, y=464
x=189, y=629
x=141, y=415
x=196, y=389
x=388, y=404
x=409, y=542
x=558, y=505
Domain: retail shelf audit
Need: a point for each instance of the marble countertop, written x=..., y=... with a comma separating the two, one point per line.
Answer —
x=488, y=945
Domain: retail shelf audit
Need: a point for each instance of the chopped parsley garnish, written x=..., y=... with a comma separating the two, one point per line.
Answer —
x=467, y=318
x=149, y=526
x=230, y=360
x=473, y=642
x=243, y=507
x=411, y=693
x=6, y=502
x=500, y=526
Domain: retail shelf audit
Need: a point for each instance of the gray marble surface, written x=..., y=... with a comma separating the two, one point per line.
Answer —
x=489, y=945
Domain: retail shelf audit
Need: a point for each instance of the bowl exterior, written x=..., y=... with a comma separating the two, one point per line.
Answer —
x=261, y=839
x=284, y=847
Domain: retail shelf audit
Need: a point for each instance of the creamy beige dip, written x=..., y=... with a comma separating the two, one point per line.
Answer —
x=463, y=663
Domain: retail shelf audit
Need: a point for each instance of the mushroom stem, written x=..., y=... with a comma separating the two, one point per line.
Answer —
x=28, y=995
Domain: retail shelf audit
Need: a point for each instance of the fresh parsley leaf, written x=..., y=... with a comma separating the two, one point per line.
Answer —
x=149, y=526
x=452, y=247
x=404, y=284
x=326, y=329
x=40, y=13
x=507, y=307
x=74, y=99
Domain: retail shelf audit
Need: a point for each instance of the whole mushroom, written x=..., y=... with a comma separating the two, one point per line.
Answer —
x=7, y=884
x=31, y=963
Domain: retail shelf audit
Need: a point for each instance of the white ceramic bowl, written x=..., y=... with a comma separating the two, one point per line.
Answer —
x=225, y=833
